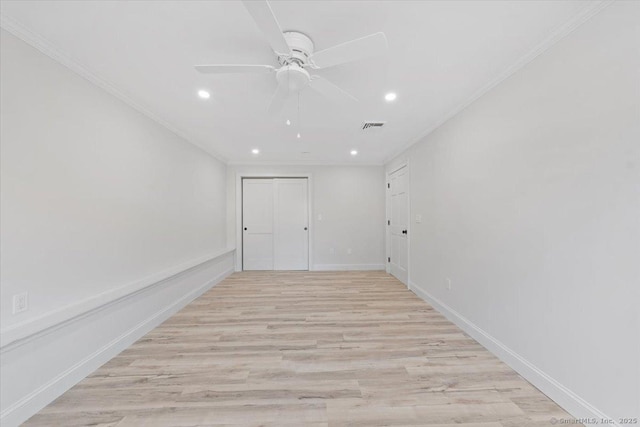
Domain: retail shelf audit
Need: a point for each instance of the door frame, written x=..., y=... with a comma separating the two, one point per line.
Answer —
x=388, y=174
x=239, y=177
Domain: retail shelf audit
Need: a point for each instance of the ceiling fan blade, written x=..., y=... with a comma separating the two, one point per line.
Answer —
x=278, y=100
x=372, y=45
x=234, y=69
x=261, y=12
x=331, y=91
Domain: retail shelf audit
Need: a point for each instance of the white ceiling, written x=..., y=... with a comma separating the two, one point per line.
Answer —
x=441, y=55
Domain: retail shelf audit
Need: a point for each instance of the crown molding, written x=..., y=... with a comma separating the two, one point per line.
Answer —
x=39, y=42
x=301, y=163
x=590, y=10
x=43, y=45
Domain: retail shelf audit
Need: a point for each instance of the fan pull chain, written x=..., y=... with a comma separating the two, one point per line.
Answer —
x=299, y=136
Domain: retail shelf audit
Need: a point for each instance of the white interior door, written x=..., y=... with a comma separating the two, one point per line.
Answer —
x=257, y=224
x=291, y=224
x=399, y=222
x=275, y=224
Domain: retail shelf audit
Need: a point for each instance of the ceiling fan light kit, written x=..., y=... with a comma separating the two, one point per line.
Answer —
x=293, y=77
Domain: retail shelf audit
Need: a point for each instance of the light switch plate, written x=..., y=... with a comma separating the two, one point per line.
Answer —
x=418, y=218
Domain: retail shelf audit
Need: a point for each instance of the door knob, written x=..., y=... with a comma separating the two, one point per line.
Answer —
x=403, y=231
x=245, y=229
x=305, y=228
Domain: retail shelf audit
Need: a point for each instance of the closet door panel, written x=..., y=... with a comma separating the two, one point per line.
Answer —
x=257, y=224
x=291, y=224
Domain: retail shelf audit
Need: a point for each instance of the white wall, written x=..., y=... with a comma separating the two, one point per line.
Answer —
x=530, y=200
x=351, y=202
x=97, y=201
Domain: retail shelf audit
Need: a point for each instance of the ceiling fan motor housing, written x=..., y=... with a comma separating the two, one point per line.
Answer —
x=292, y=75
x=301, y=48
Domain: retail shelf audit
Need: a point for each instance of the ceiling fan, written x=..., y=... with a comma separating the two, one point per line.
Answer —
x=295, y=53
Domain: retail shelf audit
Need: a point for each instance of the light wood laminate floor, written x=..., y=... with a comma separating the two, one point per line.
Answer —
x=304, y=349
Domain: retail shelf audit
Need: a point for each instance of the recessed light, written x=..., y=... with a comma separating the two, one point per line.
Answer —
x=298, y=136
x=354, y=152
x=204, y=94
x=288, y=122
x=391, y=96
x=255, y=151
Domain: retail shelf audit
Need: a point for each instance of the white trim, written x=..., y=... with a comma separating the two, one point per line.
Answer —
x=348, y=267
x=590, y=10
x=239, y=176
x=29, y=328
x=398, y=167
x=45, y=46
x=564, y=397
x=24, y=408
x=301, y=163
x=42, y=44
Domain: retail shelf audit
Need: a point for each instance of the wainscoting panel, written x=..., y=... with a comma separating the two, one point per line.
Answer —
x=38, y=368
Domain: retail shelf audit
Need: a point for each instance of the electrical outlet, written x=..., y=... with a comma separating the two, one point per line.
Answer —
x=448, y=283
x=418, y=218
x=349, y=251
x=20, y=302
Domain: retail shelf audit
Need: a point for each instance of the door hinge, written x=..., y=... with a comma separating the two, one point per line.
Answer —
x=388, y=222
x=388, y=185
x=388, y=259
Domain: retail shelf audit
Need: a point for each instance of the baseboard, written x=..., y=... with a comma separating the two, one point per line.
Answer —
x=347, y=267
x=171, y=297
x=560, y=394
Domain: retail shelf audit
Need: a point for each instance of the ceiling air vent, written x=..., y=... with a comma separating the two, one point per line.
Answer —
x=372, y=125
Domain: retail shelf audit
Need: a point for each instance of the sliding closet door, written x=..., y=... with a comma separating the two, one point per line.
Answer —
x=257, y=224
x=291, y=224
x=275, y=224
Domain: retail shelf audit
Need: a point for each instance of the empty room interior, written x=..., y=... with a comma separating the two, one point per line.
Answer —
x=320, y=213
